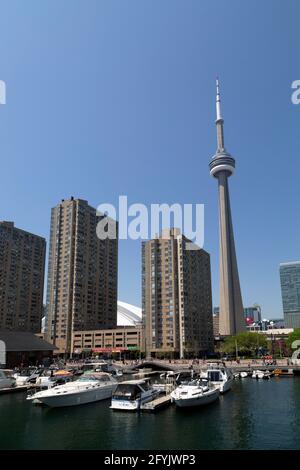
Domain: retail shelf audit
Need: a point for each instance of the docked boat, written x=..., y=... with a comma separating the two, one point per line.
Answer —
x=284, y=373
x=98, y=366
x=194, y=394
x=261, y=374
x=241, y=375
x=89, y=388
x=6, y=379
x=244, y=374
x=26, y=376
x=219, y=376
x=130, y=395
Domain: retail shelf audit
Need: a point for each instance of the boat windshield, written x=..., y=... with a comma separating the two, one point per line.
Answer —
x=26, y=372
x=214, y=376
x=93, y=377
x=99, y=366
x=127, y=392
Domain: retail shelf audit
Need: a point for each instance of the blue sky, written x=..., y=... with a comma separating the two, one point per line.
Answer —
x=117, y=97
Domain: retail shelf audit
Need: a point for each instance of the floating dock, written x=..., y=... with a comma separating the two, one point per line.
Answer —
x=157, y=403
x=20, y=388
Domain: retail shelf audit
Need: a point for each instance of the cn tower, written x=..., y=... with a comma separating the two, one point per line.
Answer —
x=222, y=165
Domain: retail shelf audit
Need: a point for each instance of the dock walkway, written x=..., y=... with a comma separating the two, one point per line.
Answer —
x=158, y=402
x=20, y=388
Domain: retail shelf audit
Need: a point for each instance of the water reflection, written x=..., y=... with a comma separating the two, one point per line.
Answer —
x=254, y=415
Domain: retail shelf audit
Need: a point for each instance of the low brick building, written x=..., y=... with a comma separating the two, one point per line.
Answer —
x=23, y=348
x=115, y=340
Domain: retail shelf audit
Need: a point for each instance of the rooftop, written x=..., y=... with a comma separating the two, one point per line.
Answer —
x=23, y=341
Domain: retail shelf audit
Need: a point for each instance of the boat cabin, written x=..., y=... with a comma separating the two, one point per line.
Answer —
x=131, y=390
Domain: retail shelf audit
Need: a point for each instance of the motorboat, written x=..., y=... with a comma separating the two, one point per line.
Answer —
x=243, y=375
x=284, y=373
x=102, y=366
x=194, y=393
x=261, y=374
x=47, y=379
x=98, y=366
x=89, y=388
x=26, y=376
x=219, y=376
x=177, y=377
x=117, y=372
x=6, y=379
x=130, y=395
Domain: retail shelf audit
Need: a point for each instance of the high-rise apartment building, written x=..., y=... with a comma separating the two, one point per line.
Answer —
x=82, y=274
x=290, y=291
x=22, y=265
x=176, y=297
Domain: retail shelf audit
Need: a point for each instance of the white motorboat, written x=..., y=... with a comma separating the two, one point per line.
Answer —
x=6, y=379
x=243, y=375
x=240, y=375
x=89, y=388
x=130, y=395
x=261, y=374
x=45, y=381
x=26, y=376
x=98, y=366
x=194, y=394
x=219, y=376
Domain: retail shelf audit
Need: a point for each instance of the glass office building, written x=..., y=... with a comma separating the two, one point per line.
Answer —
x=290, y=291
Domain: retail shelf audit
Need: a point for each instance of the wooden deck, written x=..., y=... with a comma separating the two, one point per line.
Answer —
x=157, y=403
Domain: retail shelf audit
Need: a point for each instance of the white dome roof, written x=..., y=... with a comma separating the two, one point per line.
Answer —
x=128, y=315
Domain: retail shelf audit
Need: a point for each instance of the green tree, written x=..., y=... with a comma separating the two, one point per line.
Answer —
x=294, y=336
x=247, y=343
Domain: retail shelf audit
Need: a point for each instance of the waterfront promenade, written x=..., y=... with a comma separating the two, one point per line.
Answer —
x=178, y=365
x=197, y=365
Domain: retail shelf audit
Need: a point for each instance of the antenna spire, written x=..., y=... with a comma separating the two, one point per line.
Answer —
x=219, y=120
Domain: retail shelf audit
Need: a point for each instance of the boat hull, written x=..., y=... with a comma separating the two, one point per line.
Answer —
x=201, y=400
x=131, y=405
x=223, y=386
x=81, y=398
x=7, y=383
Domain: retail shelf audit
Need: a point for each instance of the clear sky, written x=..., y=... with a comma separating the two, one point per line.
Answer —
x=117, y=97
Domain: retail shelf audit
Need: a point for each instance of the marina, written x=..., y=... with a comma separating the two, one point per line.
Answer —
x=255, y=414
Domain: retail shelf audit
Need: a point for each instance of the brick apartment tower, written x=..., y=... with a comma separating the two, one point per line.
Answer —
x=22, y=265
x=176, y=297
x=82, y=274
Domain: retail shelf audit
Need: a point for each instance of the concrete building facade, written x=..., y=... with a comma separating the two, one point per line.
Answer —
x=82, y=274
x=22, y=265
x=222, y=167
x=176, y=297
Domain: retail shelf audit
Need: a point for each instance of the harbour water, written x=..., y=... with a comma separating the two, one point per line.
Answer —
x=254, y=415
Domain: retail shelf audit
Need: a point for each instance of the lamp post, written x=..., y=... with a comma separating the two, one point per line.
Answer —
x=236, y=350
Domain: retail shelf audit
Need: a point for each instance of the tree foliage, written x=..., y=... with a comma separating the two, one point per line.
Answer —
x=294, y=336
x=247, y=343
